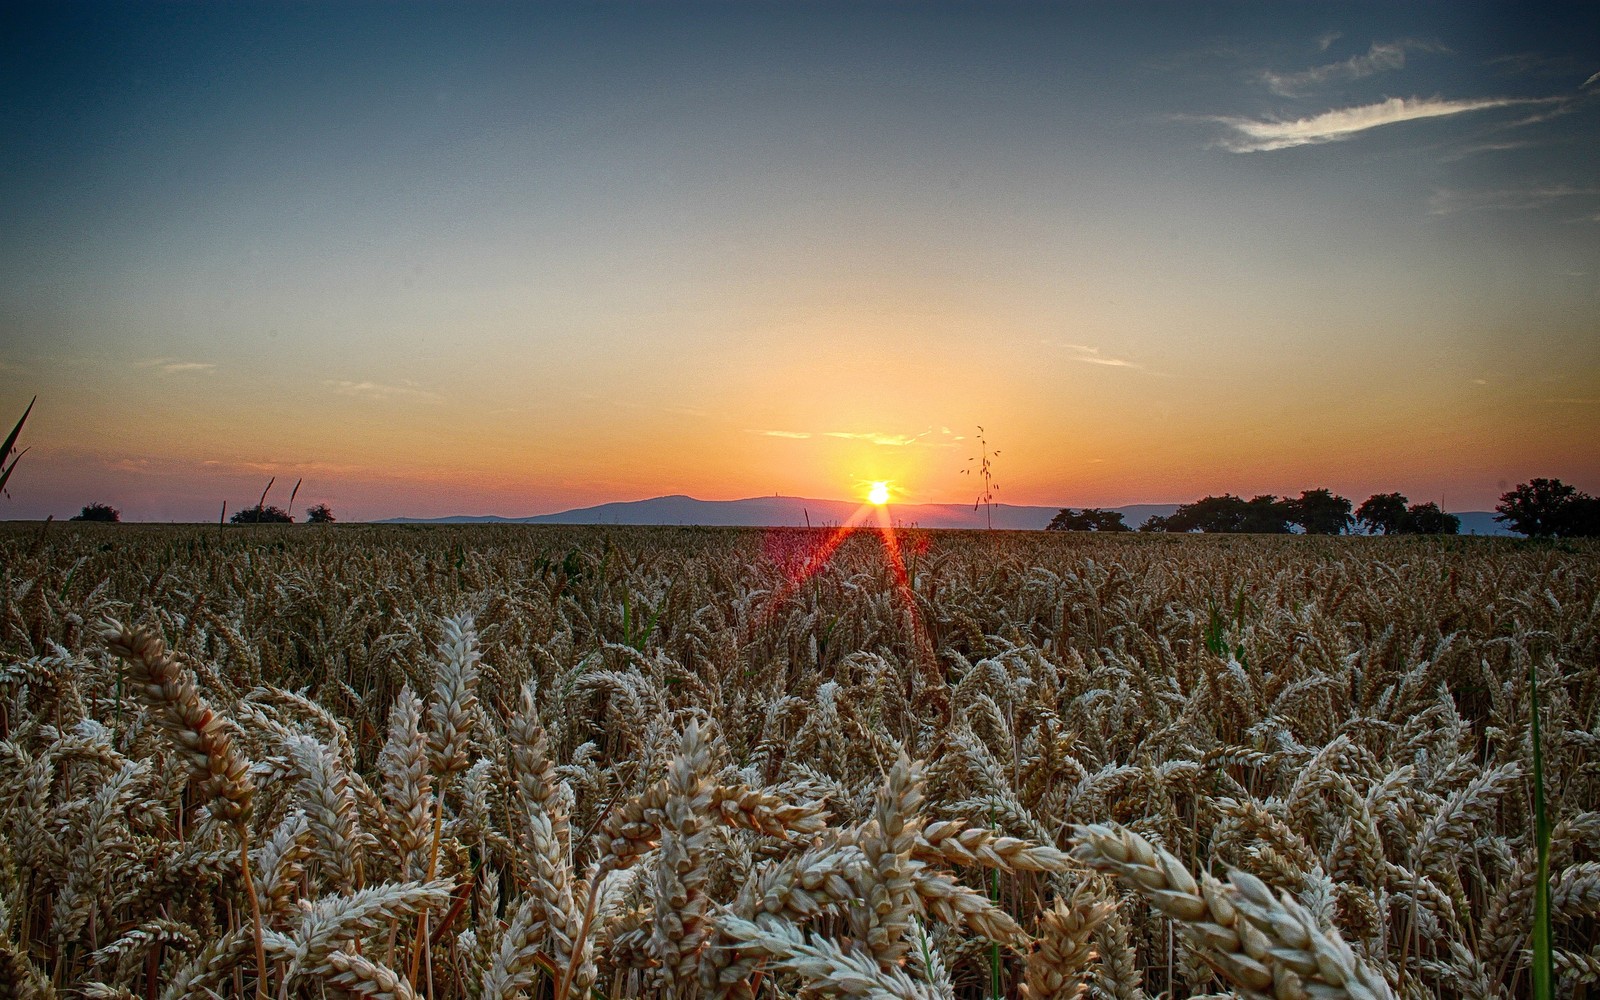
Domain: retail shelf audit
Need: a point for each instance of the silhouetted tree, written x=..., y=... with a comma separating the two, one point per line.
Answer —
x=1110, y=520
x=1266, y=515
x=262, y=515
x=1428, y=519
x=1070, y=520
x=1537, y=508
x=98, y=512
x=1320, y=512
x=1213, y=514
x=320, y=514
x=1088, y=519
x=1581, y=518
x=1383, y=513
x=1155, y=522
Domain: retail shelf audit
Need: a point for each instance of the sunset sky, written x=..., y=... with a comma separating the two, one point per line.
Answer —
x=494, y=259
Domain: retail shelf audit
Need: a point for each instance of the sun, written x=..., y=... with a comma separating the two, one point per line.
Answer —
x=879, y=494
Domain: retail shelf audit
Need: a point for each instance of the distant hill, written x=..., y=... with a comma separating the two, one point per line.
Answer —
x=772, y=512
x=769, y=512
x=1482, y=522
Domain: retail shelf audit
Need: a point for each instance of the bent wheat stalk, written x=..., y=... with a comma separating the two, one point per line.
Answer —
x=167, y=687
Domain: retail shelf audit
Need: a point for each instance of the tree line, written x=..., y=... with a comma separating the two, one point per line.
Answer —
x=269, y=514
x=1315, y=512
x=1542, y=508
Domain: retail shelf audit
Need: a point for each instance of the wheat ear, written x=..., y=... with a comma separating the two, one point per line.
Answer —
x=1064, y=948
x=1270, y=947
x=364, y=977
x=167, y=686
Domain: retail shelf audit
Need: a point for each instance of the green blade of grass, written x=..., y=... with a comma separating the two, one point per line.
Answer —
x=1543, y=966
x=11, y=443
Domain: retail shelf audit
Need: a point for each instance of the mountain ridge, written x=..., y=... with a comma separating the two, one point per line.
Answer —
x=785, y=511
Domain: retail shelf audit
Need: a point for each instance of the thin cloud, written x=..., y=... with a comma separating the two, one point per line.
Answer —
x=1450, y=202
x=378, y=390
x=174, y=366
x=1490, y=147
x=1555, y=108
x=1380, y=58
x=1256, y=136
x=1327, y=38
x=1537, y=64
x=1589, y=82
x=929, y=438
x=1093, y=356
x=886, y=440
x=301, y=467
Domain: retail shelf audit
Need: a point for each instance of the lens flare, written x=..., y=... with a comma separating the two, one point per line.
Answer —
x=799, y=554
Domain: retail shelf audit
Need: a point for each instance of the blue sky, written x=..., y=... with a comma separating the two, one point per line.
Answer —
x=494, y=259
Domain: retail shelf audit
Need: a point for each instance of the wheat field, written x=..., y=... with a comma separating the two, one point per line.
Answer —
x=514, y=761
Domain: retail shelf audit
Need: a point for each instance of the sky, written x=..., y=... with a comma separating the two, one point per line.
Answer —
x=474, y=259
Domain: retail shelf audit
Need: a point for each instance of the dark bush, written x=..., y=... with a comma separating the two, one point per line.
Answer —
x=262, y=515
x=98, y=512
x=320, y=514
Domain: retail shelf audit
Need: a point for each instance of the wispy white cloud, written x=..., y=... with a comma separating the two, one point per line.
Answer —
x=930, y=438
x=1094, y=356
x=1380, y=58
x=1253, y=135
x=1448, y=202
x=1589, y=82
x=175, y=366
x=1327, y=38
x=378, y=390
x=887, y=440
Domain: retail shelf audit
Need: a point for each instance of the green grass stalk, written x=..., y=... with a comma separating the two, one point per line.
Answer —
x=1543, y=965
